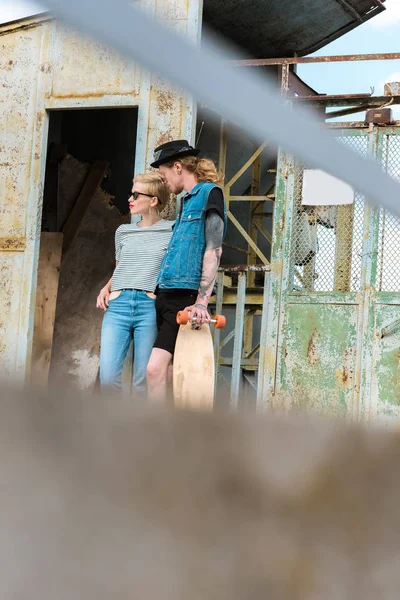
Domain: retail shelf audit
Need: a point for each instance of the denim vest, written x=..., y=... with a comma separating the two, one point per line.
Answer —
x=182, y=264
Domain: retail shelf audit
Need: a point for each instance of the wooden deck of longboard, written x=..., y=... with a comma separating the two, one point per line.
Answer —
x=193, y=369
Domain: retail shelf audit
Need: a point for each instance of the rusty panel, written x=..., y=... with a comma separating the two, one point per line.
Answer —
x=19, y=57
x=11, y=265
x=171, y=111
x=83, y=67
x=176, y=10
x=36, y=61
x=385, y=388
x=165, y=113
x=319, y=358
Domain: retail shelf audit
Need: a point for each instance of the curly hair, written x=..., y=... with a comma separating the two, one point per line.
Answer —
x=204, y=169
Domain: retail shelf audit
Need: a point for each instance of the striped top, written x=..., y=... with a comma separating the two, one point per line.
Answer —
x=139, y=252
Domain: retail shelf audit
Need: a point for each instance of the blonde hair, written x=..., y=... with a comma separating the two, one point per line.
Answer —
x=204, y=169
x=156, y=187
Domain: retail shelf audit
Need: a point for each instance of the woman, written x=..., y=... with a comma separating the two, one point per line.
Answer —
x=128, y=298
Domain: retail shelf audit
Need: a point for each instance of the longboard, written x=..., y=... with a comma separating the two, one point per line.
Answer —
x=193, y=368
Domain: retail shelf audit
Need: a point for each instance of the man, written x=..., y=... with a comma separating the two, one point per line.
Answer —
x=190, y=265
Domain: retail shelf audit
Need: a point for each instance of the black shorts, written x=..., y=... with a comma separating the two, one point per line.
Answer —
x=168, y=304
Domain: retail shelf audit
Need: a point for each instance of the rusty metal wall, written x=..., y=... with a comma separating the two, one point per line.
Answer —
x=333, y=348
x=45, y=66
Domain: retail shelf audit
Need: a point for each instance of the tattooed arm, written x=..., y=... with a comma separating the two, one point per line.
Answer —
x=212, y=256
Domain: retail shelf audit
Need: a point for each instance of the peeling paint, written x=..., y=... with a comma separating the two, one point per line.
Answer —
x=12, y=244
x=311, y=348
x=319, y=362
x=386, y=364
x=84, y=68
x=45, y=65
x=338, y=353
x=45, y=68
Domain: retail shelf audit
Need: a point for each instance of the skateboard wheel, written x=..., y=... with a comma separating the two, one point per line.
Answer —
x=220, y=321
x=182, y=317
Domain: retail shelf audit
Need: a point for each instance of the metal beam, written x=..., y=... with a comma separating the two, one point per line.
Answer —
x=302, y=60
x=246, y=236
x=217, y=332
x=252, y=255
x=348, y=100
x=250, y=198
x=262, y=381
x=348, y=111
x=300, y=87
x=240, y=268
x=245, y=166
x=230, y=298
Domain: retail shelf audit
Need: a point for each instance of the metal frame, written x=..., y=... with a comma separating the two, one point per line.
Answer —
x=248, y=304
x=302, y=60
x=268, y=300
x=364, y=403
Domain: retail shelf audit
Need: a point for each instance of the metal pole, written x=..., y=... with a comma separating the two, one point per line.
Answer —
x=262, y=380
x=252, y=256
x=298, y=60
x=238, y=340
x=217, y=332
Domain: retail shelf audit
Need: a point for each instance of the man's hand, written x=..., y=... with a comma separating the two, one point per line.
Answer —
x=199, y=313
x=103, y=297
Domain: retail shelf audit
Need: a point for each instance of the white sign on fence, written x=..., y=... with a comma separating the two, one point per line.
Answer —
x=323, y=189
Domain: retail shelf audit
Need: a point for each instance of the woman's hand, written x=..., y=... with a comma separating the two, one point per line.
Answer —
x=103, y=297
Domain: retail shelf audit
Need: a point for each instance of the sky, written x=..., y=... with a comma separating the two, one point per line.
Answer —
x=380, y=34
x=10, y=10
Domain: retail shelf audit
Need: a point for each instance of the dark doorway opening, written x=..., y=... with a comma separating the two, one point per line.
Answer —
x=89, y=172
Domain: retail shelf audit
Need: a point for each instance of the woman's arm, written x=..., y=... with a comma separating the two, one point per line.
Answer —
x=102, y=298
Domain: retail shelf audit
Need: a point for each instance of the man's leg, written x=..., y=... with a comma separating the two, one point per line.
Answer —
x=157, y=374
x=159, y=370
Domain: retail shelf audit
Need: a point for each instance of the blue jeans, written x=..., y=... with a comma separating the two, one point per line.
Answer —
x=130, y=316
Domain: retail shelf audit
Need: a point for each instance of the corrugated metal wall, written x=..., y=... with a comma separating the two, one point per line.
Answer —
x=45, y=66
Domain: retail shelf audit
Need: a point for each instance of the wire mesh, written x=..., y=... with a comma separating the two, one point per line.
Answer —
x=328, y=239
x=388, y=271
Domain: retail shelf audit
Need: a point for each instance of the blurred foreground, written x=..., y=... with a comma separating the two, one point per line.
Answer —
x=100, y=500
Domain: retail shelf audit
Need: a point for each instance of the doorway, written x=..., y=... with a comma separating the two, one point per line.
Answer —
x=88, y=178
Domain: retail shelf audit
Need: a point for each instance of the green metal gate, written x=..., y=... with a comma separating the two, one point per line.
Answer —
x=333, y=334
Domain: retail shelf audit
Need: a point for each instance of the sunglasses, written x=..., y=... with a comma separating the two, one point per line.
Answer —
x=135, y=195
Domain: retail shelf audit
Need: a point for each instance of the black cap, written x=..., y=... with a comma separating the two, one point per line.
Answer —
x=173, y=151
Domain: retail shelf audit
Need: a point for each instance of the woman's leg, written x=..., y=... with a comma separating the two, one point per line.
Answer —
x=145, y=333
x=116, y=336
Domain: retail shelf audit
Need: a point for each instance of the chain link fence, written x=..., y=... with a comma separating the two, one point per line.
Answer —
x=388, y=271
x=328, y=239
